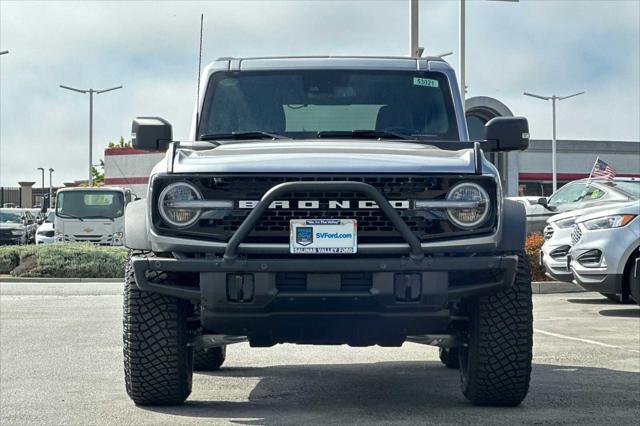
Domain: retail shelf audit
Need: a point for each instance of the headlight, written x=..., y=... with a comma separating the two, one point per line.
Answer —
x=117, y=235
x=608, y=222
x=472, y=216
x=566, y=223
x=17, y=231
x=175, y=193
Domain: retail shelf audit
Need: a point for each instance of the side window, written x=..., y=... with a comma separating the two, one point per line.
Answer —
x=568, y=194
x=593, y=193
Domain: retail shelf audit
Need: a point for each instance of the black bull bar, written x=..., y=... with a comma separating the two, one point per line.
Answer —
x=252, y=219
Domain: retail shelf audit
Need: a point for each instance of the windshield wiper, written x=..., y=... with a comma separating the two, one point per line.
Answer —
x=241, y=136
x=72, y=216
x=364, y=134
x=99, y=217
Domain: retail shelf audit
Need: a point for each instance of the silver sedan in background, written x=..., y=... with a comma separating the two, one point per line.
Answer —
x=604, y=250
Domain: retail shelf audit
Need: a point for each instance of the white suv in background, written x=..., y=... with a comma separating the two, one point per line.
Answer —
x=557, y=235
x=604, y=250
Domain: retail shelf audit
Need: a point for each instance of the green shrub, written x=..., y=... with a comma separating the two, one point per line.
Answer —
x=9, y=258
x=64, y=261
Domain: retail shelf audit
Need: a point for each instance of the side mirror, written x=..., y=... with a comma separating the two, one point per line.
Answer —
x=151, y=134
x=543, y=201
x=506, y=134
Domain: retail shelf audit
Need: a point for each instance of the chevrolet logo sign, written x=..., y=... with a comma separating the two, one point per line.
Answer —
x=329, y=204
x=88, y=230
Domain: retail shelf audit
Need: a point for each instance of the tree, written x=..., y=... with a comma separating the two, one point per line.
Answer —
x=97, y=175
x=120, y=144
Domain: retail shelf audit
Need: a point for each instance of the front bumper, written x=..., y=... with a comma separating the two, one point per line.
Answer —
x=382, y=313
x=43, y=239
x=607, y=276
x=556, y=267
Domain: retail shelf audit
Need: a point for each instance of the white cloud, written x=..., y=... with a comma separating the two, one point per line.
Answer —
x=150, y=48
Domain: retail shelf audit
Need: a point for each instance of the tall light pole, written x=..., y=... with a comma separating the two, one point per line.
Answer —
x=414, y=25
x=51, y=187
x=462, y=51
x=42, y=192
x=553, y=100
x=91, y=93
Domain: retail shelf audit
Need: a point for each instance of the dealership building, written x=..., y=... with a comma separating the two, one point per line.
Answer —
x=523, y=173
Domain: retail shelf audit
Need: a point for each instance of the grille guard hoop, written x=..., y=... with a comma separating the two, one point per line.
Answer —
x=252, y=219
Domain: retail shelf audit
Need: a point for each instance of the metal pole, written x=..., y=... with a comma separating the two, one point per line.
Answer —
x=51, y=187
x=42, y=190
x=462, y=53
x=90, y=92
x=90, y=135
x=553, y=146
x=413, y=29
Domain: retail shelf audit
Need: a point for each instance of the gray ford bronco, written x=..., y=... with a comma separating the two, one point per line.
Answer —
x=327, y=201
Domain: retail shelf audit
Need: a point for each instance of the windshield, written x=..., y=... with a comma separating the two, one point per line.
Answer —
x=10, y=217
x=50, y=217
x=630, y=187
x=90, y=204
x=299, y=104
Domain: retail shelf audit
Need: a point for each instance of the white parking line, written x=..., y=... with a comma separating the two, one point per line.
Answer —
x=592, y=342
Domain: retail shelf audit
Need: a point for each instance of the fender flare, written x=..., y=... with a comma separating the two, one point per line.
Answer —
x=514, y=226
x=136, y=234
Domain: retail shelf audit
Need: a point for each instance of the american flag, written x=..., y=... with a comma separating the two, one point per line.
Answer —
x=603, y=170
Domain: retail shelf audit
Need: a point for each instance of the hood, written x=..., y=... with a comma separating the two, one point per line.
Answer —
x=11, y=225
x=46, y=226
x=327, y=156
x=624, y=208
x=577, y=213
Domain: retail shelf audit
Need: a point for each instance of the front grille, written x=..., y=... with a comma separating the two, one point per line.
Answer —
x=349, y=281
x=373, y=225
x=548, y=232
x=560, y=252
x=46, y=233
x=576, y=234
x=87, y=238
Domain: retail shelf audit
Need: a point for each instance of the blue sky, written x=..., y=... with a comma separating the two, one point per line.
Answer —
x=542, y=46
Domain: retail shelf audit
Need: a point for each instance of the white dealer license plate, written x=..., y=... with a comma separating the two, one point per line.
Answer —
x=323, y=236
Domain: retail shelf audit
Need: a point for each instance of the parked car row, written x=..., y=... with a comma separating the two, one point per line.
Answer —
x=598, y=248
x=576, y=195
x=17, y=226
x=94, y=215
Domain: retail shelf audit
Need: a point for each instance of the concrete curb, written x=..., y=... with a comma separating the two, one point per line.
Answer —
x=551, y=287
x=8, y=279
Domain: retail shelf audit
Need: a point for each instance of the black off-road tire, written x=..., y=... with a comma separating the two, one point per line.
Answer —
x=210, y=359
x=495, y=366
x=157, y=359
x=450, y=357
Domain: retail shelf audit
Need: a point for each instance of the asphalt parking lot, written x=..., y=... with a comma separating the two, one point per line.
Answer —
x=61, y=363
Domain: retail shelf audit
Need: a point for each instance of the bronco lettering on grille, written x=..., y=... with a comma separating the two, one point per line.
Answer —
x=329, y=204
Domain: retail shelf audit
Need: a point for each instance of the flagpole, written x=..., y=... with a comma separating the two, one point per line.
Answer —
x=592, y=169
